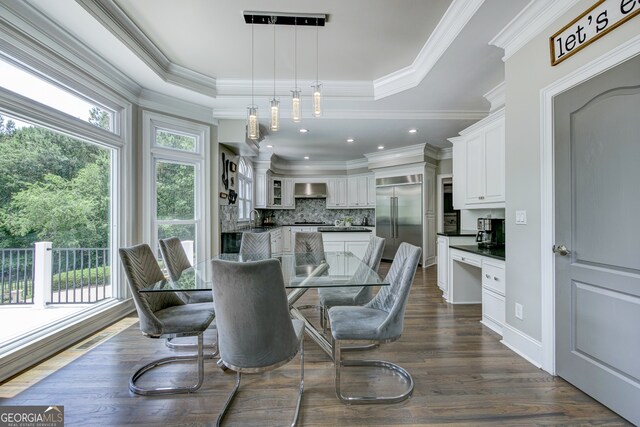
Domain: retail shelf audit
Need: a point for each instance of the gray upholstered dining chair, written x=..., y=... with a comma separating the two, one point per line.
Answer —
x=176, y=261
x=381, y=320
x=332, y=297
x=256, y=244
x=309, y=242
x=163, y=315
x=256, y=332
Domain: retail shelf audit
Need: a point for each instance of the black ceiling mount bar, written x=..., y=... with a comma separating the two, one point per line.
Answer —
x=301, y=19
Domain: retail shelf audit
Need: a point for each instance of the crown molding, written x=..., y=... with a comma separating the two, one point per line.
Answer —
x=168, y=104
x=395, y=153
x=453, y=21
x=239, y=112
x=114, y=19
x=496, y=97
x=34, y=41
x=356, y=89
x=357, y=164
x=530, y=22
x=446, y=153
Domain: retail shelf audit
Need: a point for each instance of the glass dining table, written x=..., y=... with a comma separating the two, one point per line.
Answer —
x=300, y=271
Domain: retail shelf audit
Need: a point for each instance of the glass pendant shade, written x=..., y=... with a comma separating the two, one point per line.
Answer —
x=317, y=99
x=275, y=114
x=296, y=114
x=253, y=128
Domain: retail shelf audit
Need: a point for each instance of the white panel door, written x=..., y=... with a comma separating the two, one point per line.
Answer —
x=494, y=163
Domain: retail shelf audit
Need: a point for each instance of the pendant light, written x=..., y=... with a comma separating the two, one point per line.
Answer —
x=253, y=125
x=296, y=114
x=317, y=88
x=275, y=102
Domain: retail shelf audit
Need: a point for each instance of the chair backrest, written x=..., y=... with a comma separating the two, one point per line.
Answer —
x=393, y=298
x=252, y=314
x=174, y=257
x=308, y=242
x=256, y=243
x=373, y=254
x=142, y=270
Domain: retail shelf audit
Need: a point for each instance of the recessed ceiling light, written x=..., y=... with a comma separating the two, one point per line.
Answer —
x=350, y=139
x=380, y=147
x=269, y=146
x=413, y=130
x=306, y=157
x=304, y=130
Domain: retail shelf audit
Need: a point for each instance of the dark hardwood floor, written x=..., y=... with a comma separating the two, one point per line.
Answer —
x=463, y=376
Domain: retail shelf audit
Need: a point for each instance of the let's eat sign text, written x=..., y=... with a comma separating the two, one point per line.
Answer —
x=597, y=21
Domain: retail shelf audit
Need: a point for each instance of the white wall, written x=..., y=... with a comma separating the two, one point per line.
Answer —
x=526, y=73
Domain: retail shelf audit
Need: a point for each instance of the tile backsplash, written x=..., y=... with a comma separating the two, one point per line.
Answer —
x=228, y=217
x=316, y=210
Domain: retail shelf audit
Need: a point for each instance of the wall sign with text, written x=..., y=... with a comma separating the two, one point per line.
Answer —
x=597, y=21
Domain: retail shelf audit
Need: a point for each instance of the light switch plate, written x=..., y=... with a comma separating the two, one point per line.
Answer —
x=521, y=217
x=519, y=311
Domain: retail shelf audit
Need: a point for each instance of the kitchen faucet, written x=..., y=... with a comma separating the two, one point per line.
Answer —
x=253, y=222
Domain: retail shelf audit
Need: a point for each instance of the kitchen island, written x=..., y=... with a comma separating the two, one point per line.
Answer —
x=346, y=239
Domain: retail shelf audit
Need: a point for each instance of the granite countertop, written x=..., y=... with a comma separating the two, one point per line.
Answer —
x=344, y=229
x=497, y=253
x=462, y=233
x=262, y=229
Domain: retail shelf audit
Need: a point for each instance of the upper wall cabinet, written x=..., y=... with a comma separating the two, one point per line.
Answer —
x=261, y=184
x=358, y=191
x=478, y=164
x=336, y=193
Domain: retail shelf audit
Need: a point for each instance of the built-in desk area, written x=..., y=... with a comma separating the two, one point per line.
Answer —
x=468, y=274
x=477, y=276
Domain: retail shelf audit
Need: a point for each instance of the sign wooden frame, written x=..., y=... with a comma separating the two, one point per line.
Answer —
x=602, y=18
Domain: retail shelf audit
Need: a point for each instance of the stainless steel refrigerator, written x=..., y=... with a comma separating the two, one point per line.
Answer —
x=399, y=212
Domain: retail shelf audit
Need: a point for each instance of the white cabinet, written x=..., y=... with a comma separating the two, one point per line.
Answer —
x=261, y=185
x=479, y=164
x=292, y=235
x=276, y=240
x=286, y=239
x=355, y=242
x=443, y=265
x=288, y=201
x=336, y=193
x=358, y=191
x=371, y=191
x=275, y=192
x=493, y=289
x=361, y=191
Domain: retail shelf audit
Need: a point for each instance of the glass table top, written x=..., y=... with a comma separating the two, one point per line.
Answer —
x=299, y=270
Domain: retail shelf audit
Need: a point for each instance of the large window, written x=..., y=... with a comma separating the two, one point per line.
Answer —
x=176, y=175
x=245, y=189
x=61, y=205
x=45, y=92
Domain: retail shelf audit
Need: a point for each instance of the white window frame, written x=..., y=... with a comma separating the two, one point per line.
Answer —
x=243, y=179
x=34, y=346
x=152, y=153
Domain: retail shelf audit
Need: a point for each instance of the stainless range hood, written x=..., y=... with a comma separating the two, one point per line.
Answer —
x=314, y=190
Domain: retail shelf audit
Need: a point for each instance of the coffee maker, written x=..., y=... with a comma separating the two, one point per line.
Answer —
x=490, y=233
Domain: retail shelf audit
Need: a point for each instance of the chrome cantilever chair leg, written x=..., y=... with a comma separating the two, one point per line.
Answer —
x=185, y=346
x=234, y=392
x=199, y=357
x=354, y=400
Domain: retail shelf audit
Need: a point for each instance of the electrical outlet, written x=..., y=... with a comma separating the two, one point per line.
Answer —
x=521, y=217
x=519, y=311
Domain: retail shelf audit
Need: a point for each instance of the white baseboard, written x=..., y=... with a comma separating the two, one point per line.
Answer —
x=20, y=358
x=523, y=345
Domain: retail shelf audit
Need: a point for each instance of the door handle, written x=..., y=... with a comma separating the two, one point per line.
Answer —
x=561, y=250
